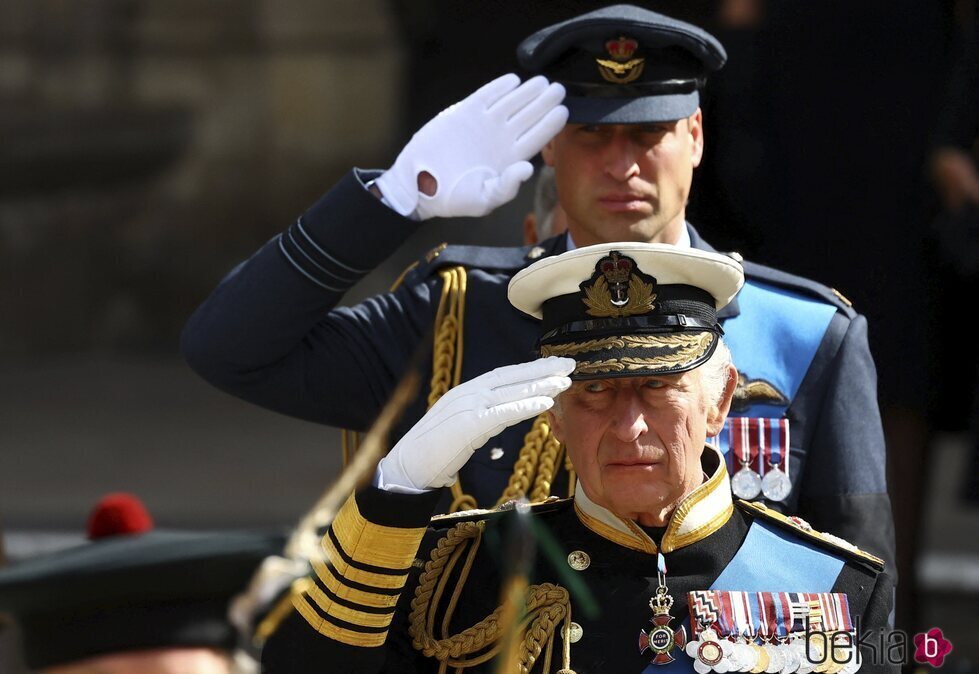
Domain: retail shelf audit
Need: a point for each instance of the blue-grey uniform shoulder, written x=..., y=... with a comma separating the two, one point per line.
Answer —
x=501, y=259
x=797, y=284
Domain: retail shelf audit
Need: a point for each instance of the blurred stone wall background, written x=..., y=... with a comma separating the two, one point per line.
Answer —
x=149, y=145
x=147, y=148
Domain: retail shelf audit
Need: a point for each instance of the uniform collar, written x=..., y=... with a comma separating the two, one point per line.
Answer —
x=696, y=241
x=705, y=510
x=684, y=242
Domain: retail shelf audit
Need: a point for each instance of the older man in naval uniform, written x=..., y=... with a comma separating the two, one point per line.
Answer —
x=649, y=564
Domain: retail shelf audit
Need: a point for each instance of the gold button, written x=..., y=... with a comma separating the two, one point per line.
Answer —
x=535, y=252
x=579, y=560
x=575, y=633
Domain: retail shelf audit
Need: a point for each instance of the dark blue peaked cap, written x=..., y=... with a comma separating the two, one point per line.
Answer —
x=624, y=64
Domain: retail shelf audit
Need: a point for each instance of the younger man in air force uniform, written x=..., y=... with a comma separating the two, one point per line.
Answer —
x=650, y=563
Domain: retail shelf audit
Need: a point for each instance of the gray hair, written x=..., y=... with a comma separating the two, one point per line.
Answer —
x=714, y=373
x=545, y=201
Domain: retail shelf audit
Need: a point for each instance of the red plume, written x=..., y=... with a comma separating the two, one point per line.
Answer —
x=118, y=514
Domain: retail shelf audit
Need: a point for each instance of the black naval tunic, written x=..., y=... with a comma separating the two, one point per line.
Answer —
x=272, y=334
x=345, y=619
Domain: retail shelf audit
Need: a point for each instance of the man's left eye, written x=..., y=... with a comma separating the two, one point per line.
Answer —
x=595, y=387
x=655, y=383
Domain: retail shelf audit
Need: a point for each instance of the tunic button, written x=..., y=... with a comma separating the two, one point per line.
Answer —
x=496, y=453
x=535, y=252
x=575, y=633
x=579, y=560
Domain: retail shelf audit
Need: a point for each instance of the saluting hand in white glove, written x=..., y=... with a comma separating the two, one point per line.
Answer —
x=432, y=452
x=476, y=150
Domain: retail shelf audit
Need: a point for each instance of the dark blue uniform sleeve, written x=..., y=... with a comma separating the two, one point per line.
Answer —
x=844, y=488
x=270, y=332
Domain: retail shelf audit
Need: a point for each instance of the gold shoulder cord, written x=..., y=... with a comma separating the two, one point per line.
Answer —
x=547, y=605
x=540, y=456
x=447, y=354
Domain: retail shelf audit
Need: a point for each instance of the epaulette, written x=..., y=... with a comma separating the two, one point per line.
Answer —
x=552, y=505
x=508, y=259
x=803, y=529
x=799, y=284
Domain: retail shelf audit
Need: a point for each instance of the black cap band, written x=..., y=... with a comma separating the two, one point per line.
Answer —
x=640, y=90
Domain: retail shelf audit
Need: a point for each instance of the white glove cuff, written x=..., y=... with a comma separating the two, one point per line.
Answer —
x=384, y=485
x=395, y=195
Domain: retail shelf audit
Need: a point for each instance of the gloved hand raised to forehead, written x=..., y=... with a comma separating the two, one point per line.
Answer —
x=476, y=150
x=432, y=452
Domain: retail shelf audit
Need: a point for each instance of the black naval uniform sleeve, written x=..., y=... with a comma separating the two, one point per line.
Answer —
x=269, y=333
x=870, y=595
x=350, y=616
x=844, y=488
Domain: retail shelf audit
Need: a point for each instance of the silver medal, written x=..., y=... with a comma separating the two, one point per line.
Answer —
x=746, y=484
x=746, y=656
x=805, y=664
x=776, y=485
x=731, y=657
x=790, y=658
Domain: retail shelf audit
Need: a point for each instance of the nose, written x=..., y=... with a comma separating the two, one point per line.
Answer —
x=621, y=155
x=628, y=418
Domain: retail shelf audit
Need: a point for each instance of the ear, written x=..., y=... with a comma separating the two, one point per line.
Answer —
x=695, y=124
x=717, y=413
x=530, y=229
x=547, y=152
x=555, y=423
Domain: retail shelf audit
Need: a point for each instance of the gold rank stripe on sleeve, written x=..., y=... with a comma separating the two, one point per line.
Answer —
x=357, y=584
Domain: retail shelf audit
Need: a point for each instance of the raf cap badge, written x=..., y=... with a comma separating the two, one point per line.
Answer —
x=622, y=68
x=618, y=288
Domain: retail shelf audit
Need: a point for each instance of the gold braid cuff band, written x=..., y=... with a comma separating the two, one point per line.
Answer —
x=358, y=556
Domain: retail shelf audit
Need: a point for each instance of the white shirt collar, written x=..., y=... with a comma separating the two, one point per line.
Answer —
x=684, y=241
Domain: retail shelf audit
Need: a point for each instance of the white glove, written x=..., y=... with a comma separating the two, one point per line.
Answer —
x=477, y=149
x=432, y=452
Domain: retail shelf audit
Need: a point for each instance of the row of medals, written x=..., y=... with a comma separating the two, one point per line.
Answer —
x=748, y=484
x=716, y=654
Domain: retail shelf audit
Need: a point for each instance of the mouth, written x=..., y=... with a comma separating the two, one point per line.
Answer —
x=624, y=203
x=633, y=463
